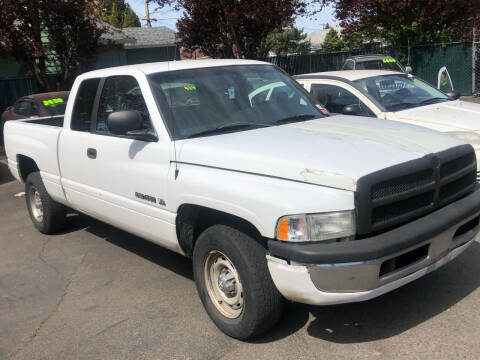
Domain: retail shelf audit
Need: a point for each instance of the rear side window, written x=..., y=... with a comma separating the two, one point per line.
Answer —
x=83, y=108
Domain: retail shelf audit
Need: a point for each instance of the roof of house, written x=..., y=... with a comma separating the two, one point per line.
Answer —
x=351, y=75
x=146, y=37
x=318, y=37
x=151, y=68
x=114, y=35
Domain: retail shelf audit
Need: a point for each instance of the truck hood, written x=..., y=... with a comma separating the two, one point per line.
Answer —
x=451, y=115
x=334, y=151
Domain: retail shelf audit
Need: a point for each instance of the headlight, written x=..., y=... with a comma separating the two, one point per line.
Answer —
x=316, y=227
x=467, y=136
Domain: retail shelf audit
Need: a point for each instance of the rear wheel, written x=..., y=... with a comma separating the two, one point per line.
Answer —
x=47, y=215
x=234, y=283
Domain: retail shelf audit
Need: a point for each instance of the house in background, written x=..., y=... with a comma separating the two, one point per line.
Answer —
x=137, y=45
x=318, y=37
x=125, y=47
x=150, y=44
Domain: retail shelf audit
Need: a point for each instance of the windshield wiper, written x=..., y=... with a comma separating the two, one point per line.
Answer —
x=400, y=105
x=431, y=100
x=226, y=128
x=294, y=118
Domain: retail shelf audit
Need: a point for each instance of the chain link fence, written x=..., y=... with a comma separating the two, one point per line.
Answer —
x=476, y=63
x=426, y=61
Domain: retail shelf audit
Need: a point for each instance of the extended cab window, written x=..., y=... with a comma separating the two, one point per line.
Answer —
x=82, y=110
x=208, y=101
x=121, y=93
x=335, y=98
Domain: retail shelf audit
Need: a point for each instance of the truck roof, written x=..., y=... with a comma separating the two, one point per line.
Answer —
x=150, y=68
x=368, y=57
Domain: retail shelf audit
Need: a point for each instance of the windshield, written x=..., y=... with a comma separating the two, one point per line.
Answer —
x=205, y=101
x=379, y=64
x=397, y=92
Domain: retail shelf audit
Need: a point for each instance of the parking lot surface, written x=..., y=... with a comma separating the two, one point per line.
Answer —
x=95, y=292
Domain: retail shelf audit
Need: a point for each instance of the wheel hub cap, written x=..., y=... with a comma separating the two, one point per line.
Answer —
x=36, y=204
x=223, y=284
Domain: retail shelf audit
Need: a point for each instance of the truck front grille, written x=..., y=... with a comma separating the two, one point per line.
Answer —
x=404, y=192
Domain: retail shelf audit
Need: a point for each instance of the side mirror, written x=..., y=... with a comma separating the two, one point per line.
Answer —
x=129, y=123
x=453, y=95
x=121, y=122
x=353, y=109
x=408, y=69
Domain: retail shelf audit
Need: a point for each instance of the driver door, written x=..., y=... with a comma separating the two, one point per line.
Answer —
x=117, y=178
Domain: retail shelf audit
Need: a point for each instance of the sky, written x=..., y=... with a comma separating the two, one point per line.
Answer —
x=168, y=17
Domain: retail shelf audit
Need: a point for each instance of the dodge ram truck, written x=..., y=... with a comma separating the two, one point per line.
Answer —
x=270, y=197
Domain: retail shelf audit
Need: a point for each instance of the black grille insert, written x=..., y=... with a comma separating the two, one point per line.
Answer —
x=456, y=165
x=396, y=195
x=386, y=213
x=402, y=184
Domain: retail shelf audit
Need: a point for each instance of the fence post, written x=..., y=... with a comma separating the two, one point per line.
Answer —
x=474, y=53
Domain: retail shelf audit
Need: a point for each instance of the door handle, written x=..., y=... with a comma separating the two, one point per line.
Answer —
x=92, y=153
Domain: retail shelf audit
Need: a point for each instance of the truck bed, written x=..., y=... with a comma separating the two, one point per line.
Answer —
x=36, y=139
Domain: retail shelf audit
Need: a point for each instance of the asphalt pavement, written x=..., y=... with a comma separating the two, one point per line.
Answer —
x=95, y=292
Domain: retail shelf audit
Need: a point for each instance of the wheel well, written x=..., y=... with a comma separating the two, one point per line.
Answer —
x=26, y=166
x=193, y=219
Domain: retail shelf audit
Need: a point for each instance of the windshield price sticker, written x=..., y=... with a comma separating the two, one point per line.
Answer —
x=190, y=87
x=389, y=61
x=52, y=101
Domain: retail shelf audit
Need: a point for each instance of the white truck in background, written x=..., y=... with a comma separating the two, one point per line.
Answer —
x=270, y=197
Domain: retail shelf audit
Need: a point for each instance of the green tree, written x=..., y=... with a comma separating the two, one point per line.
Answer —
x=115, y=18
x=46, y=34
x=408, y=21
x=289, y=41
x=119, y=14
x=232, y=28
x=332, y=42
x=130, y=19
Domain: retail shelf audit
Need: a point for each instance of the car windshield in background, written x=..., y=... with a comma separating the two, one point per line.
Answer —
x=379, y=64
x=208, y=101
x=397, y=92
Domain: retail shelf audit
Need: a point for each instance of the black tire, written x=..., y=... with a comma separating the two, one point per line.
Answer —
x=54, y=214
x=262, y=303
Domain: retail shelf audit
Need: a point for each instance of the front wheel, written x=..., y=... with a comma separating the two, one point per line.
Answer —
x=47, y=215
x=234, y=283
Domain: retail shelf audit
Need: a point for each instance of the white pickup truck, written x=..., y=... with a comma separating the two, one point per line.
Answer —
x=270, y=196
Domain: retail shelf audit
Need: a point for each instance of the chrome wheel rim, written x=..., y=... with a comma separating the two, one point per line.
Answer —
x=36, y=204
x=223, y=284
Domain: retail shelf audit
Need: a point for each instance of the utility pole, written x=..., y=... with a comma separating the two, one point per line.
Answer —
x=147, y=14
